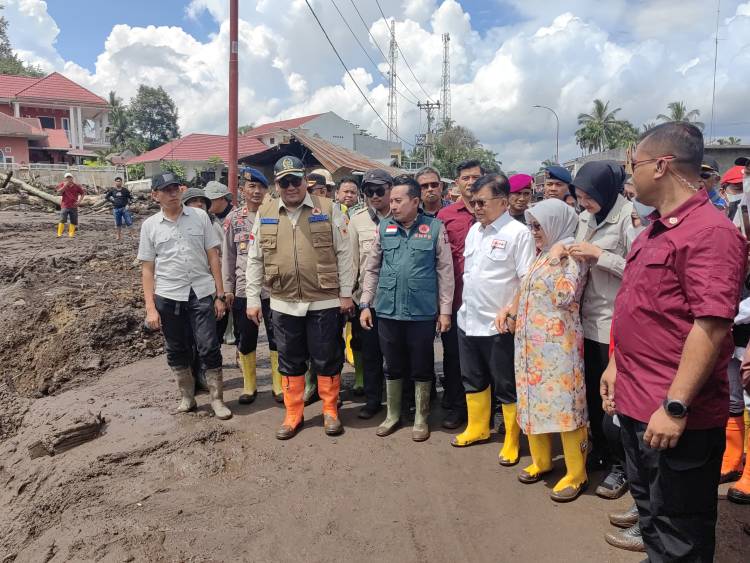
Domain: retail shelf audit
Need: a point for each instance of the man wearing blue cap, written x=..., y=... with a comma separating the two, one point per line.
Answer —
x=557, y=182
x=237, y=237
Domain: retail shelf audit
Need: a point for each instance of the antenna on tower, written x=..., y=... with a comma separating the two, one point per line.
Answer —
x=446, y=91
x=392, y=100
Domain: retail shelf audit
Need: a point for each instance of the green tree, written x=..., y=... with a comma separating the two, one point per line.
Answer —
x=242, y=129
x=455, y=143
x=153, y=117
x=119, y=123
x=598, y=128
x=136, y=171
x=9, y=61
x=175, y=167
x=625, y=134
x=678, y=112
x=729, y=141
x=647, y=126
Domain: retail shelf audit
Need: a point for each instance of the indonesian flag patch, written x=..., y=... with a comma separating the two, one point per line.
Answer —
x=391, y=230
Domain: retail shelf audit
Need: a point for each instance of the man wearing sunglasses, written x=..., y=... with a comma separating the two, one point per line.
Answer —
x=300, y=250
x=429, y=181
x=409, y=275
x=376, y=185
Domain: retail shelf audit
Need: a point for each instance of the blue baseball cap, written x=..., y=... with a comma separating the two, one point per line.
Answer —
x=253, y=175
x=559, y=173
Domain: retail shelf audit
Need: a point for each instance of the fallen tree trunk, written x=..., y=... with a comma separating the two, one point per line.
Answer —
x=29, y=189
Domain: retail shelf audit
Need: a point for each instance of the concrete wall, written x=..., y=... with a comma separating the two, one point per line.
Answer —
x=56, y=114
x=374, y=147
x=15, y=147
x=332, y=128
x=725, y=155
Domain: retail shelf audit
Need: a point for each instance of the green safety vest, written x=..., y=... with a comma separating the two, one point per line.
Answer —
x=407, y=286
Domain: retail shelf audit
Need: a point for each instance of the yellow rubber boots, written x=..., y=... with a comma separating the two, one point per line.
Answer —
x=478, y=426
x=509, y=454
x=249, y=377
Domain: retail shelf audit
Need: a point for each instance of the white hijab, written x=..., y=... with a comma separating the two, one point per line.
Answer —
x=557, y=219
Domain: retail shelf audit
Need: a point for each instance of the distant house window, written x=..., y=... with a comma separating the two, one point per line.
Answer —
x=47, y=122
x=272, y=140
x=66, y=123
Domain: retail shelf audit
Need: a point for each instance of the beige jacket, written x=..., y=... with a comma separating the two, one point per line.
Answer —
x=605, y=275
x=363, y=229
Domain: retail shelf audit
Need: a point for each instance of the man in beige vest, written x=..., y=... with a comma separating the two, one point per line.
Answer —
x=300, y=250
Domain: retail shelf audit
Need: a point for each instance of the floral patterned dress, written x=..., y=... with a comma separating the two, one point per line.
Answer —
x=549, y=347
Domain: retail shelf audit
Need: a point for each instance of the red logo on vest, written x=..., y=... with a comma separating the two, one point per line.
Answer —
x=424, y=229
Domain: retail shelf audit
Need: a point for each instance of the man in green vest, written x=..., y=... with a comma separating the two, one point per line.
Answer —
x=410, y=269
x=300, y=251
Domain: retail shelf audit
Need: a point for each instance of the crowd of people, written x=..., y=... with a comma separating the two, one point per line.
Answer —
x=602, y=313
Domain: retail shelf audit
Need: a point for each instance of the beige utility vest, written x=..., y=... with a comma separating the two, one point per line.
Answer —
x=299, y=261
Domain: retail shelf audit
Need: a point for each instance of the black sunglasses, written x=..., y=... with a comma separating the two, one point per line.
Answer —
x=371, y=191
x=286, y=181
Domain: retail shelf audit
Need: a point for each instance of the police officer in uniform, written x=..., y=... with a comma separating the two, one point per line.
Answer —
x=300, y=250
x=409, y=273
x=237, y=233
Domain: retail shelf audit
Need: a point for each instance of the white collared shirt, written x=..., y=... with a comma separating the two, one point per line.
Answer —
x=178, y=250
x=497, y=258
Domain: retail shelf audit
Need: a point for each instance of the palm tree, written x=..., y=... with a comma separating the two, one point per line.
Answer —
x=678, y=112
x=734, y=141
x=597, y=127
x=119, y=126
x=647, y=126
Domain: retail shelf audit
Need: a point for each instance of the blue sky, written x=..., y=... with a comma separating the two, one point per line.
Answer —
x=85, y=24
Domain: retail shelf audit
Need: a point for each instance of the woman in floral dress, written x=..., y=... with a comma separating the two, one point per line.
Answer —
x=549, y=351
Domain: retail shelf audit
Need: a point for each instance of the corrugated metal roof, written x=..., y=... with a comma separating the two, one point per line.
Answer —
x=280, y=125
x=334, y=157
x=57, y=88
x=200, y=147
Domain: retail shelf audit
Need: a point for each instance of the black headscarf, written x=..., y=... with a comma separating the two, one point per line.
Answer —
x=602, y=181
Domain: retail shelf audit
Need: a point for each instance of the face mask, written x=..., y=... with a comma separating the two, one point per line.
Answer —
x=643, y=211
x=746, y=184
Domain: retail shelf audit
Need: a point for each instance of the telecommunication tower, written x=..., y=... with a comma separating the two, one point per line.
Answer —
x=446, y=90
x=392, y=101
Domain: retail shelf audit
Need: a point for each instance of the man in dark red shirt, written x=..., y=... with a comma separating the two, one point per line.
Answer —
x=668, y=379
x=72, y=195
x=458, y=219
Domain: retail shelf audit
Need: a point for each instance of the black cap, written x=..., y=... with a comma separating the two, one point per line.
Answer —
x=161, y=181
x=742, y=161
x=287, y=165
x=377, y=176
x=710, y=164
x=559, y=173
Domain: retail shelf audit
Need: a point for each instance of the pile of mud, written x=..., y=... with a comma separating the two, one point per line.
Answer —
x=70, y=309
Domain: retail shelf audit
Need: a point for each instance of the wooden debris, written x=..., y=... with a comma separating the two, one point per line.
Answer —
x=84, y=429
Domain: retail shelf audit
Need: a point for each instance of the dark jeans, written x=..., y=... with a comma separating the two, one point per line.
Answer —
x=368, y=344
x=595, y=360
x=488, y=360
x=316, y=336
x=675, y=491
x=408, y=349
x=186, y=322
x=614, y=442
x=246, y=331
x=453, y=387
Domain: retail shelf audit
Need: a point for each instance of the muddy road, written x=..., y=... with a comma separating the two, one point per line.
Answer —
x=162, y=487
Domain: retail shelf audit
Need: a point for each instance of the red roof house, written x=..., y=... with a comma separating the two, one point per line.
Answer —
x=69, y=121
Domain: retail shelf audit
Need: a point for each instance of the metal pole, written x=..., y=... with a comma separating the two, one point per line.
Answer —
x=233, y=99
x=557, y=134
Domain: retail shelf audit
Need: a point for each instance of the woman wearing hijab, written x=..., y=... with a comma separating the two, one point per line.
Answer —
x=549, y=351
x=602, y=242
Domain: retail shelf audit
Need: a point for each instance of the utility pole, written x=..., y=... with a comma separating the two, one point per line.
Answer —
x=392, y=100
x=233, y=99
x=429, y=140
x=557, y=131
x=446, y=92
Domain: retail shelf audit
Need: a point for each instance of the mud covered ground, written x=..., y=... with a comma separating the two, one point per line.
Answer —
x=161, y=487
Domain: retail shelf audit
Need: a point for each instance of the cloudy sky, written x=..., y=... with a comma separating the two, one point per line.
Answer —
x=507, y=55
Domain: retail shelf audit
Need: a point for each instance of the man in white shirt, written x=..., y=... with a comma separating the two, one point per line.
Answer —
x=498, y=253
x=183, y=289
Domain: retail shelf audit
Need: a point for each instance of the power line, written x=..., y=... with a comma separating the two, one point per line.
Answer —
x=365, y=51
x=350, y=74
x=716, y=60
x=404, y=58
x=385, y=57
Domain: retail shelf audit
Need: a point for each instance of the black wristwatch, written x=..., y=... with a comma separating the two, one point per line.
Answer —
x=222, y=298
x=675, y=408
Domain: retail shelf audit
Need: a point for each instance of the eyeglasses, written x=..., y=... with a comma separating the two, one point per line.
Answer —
x=286, y=181
x=372, y=191
x=535, y=227
x=636, y=163
x=428, y=185
x=480, y=203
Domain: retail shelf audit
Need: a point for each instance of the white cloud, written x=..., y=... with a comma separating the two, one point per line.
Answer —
x=639, y=56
